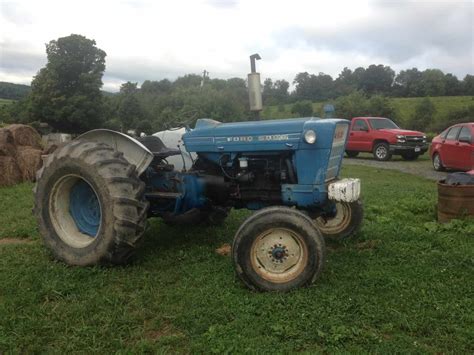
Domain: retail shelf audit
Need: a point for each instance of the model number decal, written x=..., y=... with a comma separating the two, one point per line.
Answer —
x=264, y=138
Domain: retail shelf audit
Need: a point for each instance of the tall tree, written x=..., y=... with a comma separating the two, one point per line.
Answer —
x=452, y=85
x=433, y=82
x=66, y=92
x=345, y=82
x=377, y=79
x=408, y=83
x=129, y=110
x=468, y=85
x=313, y=87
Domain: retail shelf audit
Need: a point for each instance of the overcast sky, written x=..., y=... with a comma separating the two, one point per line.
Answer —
x=165, y=39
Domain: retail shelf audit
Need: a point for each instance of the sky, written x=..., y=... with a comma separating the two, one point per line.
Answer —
x=153, y=40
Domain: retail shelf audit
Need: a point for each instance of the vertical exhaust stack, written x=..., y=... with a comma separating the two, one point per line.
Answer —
x=255, y=89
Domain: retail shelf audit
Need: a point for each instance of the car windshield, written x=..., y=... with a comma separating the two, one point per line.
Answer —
x=382, y=123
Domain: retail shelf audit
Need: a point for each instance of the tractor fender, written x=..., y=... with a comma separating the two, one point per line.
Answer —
x=133, y=151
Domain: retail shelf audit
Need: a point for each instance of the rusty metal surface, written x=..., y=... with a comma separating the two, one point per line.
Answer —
x=455, y=202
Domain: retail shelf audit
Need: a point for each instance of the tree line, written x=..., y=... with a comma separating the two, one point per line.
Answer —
x=12, y=91
x=373, y=80
x=66, y=93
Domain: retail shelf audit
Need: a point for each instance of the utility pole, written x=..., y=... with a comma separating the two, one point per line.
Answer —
x=205, y=75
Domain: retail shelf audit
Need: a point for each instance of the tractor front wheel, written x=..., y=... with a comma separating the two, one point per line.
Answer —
x=90, y=205
x=343, y=223
x=278, y=249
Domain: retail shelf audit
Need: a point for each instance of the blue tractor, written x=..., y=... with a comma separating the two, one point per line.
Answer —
x=94, y=195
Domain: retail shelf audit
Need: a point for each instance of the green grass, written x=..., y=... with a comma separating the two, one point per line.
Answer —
x=405, y=285
x=16, y=204
x=5, y=102
x=443, y=104
x=405, y=107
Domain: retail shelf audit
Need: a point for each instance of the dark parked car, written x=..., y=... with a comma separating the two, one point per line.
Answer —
x=454, y=148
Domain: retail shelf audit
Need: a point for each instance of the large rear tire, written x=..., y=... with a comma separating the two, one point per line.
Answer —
x=90, y=205
x=278, y=249
x=344, y=223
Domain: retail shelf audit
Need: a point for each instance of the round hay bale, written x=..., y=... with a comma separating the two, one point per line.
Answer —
x=10, y=172
x=24, y=135
x=29, y=161
x=7, y=145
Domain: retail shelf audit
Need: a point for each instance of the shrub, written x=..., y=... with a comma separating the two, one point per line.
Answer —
x=302, y=108
x=422, y=118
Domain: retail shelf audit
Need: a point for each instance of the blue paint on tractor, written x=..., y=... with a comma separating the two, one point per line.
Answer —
x=85, y=208
x=315, y=164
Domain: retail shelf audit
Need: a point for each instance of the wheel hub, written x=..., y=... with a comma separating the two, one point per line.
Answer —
x=75, y=211
x=279, y=255
x=85, y=208
x=381, y=152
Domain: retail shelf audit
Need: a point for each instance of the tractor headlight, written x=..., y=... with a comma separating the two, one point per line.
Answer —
x=310, y=136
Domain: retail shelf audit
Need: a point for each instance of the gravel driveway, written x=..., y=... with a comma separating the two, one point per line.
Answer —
x=421, y=167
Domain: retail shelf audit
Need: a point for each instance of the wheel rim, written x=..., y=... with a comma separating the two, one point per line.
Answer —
x=279, y=255
x=75, y=211
x=381, y=152
x=436, y=162
x=338, y=223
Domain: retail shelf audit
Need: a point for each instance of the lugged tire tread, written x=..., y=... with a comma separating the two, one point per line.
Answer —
x=129, y=229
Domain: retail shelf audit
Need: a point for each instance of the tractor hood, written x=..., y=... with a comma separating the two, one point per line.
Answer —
x=269, y=135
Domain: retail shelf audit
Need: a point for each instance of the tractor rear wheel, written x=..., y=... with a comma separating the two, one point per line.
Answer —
x=344, y=223
x=90, y=205
x=278, y=249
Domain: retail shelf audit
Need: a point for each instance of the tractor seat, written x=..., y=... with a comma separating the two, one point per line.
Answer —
x=156, y=146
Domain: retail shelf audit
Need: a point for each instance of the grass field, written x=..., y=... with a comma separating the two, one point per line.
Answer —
x=4, y=102
x=406, y=285
x=404, y=106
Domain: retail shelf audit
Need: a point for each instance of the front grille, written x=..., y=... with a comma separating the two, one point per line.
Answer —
x=337, y=151
x=416, y=139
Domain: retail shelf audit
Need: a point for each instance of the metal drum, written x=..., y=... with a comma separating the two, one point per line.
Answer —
x=455, y=201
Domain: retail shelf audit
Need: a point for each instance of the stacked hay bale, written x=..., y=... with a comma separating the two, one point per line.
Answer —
x=20, y=154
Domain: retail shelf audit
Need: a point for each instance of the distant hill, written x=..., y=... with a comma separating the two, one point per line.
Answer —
x=12, y=91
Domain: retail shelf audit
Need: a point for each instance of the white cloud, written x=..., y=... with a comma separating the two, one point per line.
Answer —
x=158, y=39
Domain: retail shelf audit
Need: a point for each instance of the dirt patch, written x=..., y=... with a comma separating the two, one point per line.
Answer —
x=9, y=241
x=368, y=244
x=224, y=250
x=166, y=330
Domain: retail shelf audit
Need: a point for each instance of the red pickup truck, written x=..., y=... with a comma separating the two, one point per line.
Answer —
x=384, y=138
